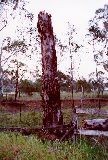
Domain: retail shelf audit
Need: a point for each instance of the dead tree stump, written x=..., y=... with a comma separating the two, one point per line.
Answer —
x=50, y=87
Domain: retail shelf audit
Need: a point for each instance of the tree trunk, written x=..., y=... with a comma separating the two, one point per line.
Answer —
x=50, y=87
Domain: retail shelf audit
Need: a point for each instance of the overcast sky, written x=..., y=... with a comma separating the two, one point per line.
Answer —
x=78, y=13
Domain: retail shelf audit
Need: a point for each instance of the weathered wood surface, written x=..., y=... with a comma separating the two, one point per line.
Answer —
x=50, y=87
x=96, y=124
x=91, y=111
x=92, y=132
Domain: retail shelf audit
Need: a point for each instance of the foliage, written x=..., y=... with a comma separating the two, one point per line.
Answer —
x=7, y=11
x=98, y=30
x=97, y=81
x=15, y=46
x=14, y=3
x=64, y=80
x=27, y=86
x=37, y=85
x=83, y=86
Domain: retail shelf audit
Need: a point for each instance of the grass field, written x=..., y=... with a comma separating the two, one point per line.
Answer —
x=18, y=147
x=14, y=146
x=34, y=118
x=63, y=95
x=26, y=119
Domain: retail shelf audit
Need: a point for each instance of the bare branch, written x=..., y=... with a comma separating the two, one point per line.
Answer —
x=2, y=27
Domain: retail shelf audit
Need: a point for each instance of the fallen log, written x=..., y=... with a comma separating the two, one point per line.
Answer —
x=91, y=111
x=96, y=124
x=92, y=132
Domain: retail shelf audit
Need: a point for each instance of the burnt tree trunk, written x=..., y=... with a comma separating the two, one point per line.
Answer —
x=50, y=87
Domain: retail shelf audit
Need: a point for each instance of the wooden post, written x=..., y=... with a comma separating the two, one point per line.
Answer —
x=16, y=87
x=50, y=87
x=74, y=124
x=20, y=112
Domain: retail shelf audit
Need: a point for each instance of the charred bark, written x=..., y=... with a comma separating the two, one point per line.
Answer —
x=50, y=87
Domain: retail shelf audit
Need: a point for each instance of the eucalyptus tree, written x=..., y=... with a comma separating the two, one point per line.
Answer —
x=98, y=32
x=8, y=10
x=2, y=62
x=10, y=49
x=72, y=47
x=97, y=82
x=17, y=71
x=10, y=2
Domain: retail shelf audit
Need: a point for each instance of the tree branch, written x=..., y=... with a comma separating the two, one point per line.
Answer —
x=2, y=27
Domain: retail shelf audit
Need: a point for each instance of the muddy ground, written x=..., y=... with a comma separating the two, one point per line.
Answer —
x=35, y=105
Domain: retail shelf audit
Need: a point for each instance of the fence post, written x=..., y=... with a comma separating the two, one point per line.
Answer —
x=20, y=113
x=74, y=124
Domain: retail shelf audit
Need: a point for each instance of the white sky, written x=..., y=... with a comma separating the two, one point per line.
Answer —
x=78, y=13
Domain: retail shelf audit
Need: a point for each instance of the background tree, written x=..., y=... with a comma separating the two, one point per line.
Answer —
x=97, y=82
x=73, y=48
x=83, y=86
x=10, y=2
x=9, y=49
x=17, y=72
x=2, y=62
x=98, y=31
x=8, y=9
x=27, y=87
x=65, y=82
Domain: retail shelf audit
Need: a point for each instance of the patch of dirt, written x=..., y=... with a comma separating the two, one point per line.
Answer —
x=35, y=105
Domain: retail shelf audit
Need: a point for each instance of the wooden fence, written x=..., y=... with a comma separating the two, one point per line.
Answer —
x=93, y=127
x=97, y=127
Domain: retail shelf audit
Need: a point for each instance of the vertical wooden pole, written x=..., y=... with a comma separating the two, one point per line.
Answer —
x=16, y=87
x=50, y=87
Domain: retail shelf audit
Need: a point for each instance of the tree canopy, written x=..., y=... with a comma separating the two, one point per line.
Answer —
x=98, y=30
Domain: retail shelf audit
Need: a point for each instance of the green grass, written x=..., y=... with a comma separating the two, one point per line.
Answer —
x=28, y=119
x=68, y=95
x=35, y=96
x=67, y=115
x=14, y=146
x=63, y=95
x=34, y=118
x=18, y=147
